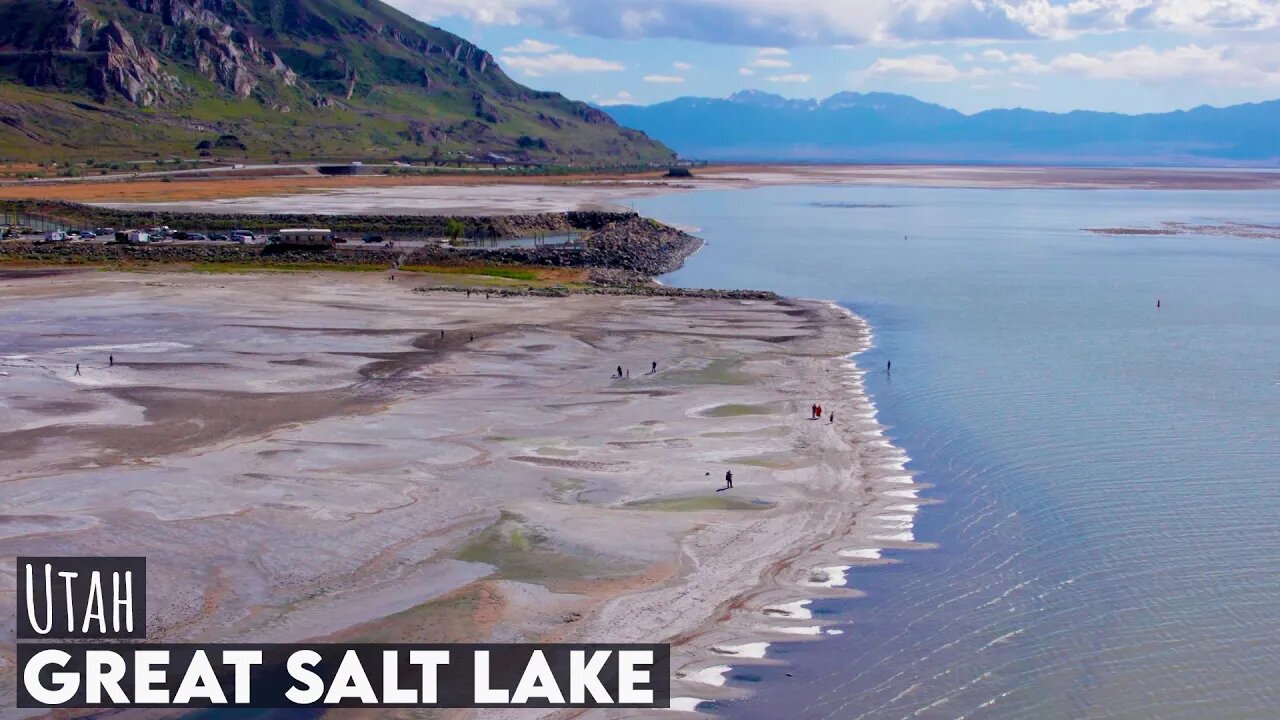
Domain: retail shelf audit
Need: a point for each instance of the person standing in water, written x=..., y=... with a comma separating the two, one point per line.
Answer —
x=888, y=366
x=111, y=361
x=1157, y=304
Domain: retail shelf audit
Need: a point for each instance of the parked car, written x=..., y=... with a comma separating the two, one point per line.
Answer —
x=244, y=235
x=197, y=237
x=104, y=231
x=87, y=234
x=218, y=237
x=371, y=239
x=55, y=236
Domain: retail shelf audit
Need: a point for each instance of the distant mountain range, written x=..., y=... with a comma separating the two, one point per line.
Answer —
x=358, y=79
x=885, y=127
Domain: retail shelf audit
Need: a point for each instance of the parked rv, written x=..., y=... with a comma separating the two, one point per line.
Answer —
x=304, y=237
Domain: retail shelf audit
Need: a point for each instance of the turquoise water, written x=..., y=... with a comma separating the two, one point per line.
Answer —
x=1109, y=473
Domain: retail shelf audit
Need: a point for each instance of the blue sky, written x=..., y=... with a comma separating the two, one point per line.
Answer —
x=1119, y=55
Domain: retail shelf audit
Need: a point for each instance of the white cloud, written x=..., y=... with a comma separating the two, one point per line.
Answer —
x=529, y=46
x=856, y=22
x=921, y=68
x=558, y=62
x=682, y=66
x=1219, y=64
x=790, y=78
x=667, y=79
x=1239, y=65
x=746, y=71
x=775, y=58
x=622, y=98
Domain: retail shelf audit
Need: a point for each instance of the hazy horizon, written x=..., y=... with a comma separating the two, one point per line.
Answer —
x=1129, y=56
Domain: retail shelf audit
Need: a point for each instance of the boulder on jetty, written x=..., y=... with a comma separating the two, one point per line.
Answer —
x=631, y=247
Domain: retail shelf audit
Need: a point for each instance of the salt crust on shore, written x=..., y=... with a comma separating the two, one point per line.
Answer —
x=304, y=457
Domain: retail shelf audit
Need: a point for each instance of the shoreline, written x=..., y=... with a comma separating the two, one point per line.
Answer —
x=487, y=195
x=775, y=609
x=721, y=575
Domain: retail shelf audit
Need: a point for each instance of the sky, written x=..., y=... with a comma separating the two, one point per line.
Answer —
x=1129, y=56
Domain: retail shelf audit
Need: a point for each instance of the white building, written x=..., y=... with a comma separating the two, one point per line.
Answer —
x=308, y=237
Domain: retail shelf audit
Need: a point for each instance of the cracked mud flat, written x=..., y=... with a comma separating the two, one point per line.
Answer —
x=306, y=457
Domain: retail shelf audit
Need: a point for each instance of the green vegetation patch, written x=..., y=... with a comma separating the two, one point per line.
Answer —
x=741, y=410
x=234, y=267
x=526, y=275
x=701, y=503
x=521, y=551
x=774, y=461
x=723, y=371
x=771, y=431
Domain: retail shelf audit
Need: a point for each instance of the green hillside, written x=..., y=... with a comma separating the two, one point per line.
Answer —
x=289, y=79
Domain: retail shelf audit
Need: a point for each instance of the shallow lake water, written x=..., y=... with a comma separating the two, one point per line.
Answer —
x=1108, y=530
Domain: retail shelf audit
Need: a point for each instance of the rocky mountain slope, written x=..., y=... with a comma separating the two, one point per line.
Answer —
x=884, y=127
x=274, y=78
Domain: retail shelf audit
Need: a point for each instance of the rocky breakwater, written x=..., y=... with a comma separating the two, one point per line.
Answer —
x=619, y=248
x=417, y=226
x=111, y=253
x=633, y=248
x=637, y=290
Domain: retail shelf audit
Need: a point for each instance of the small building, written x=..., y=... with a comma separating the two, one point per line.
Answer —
x=133, y=237
x=304, y=237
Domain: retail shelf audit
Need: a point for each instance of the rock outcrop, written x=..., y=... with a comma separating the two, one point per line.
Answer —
x=192, y=63
x=127, y=69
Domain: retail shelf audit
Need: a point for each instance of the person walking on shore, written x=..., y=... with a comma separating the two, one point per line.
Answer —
x=654, y=370
x=619, y=372
x=833, y=418
x=77, y=368
x=819, y=412
x=813, y=411
x=728, y=479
